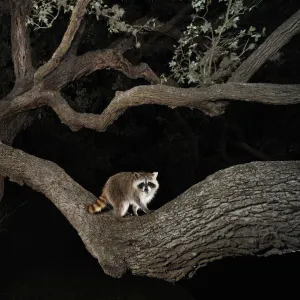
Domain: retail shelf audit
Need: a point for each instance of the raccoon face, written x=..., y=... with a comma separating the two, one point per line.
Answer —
x=146, y=186
x=146, y=183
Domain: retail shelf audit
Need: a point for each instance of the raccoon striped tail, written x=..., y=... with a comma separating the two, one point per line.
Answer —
x=98, y=205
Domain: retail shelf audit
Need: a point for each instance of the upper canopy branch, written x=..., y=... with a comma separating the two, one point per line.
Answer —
x=275, y=41
x=250, y=209
x=77, y=15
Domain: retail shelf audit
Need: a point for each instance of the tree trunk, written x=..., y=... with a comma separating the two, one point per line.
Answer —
x=249, y=209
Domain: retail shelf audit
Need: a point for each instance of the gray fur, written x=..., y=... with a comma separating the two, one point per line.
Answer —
x=131, y=188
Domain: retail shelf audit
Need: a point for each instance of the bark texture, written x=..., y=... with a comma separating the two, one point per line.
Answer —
x=250, y=209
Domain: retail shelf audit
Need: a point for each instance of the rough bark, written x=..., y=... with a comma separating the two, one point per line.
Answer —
x=250, y=209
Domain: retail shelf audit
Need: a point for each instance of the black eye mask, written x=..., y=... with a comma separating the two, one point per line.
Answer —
x=152, y=185
x=143, y=184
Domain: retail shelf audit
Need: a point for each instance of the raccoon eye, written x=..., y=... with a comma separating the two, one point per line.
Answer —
x=141, y=185
x=152, y=185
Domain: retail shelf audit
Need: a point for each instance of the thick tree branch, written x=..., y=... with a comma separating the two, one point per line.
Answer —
x=77, y=66
x=280, y=37
x=77, y=15
x=204, y=99
x=208, y=100
x=250, y=209
x=21, y=51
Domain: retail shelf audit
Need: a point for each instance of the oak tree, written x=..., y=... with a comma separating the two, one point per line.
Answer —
x=248, y=209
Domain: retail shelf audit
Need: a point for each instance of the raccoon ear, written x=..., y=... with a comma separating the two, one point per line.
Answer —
x=155, y=174
x=136, y=175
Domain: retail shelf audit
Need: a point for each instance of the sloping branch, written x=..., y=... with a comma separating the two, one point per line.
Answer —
x=77, y=15
x=250, y=209
x=275, y=41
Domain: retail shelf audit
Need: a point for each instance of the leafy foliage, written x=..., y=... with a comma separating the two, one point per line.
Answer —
x=45, y=12
x=209, y=51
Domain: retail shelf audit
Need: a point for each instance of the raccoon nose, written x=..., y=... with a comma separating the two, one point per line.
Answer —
x=146, y=190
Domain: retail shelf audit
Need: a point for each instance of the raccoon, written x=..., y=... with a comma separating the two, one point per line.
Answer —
x=124, y=189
